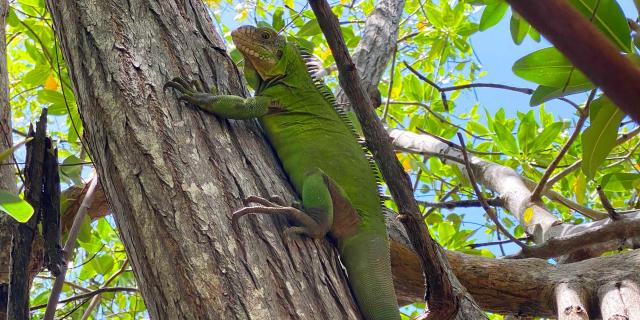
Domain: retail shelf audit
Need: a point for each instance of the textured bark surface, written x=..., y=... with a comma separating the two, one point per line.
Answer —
x=173, y=174
x=7, y=172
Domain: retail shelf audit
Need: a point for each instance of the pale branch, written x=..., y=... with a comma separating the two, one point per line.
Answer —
x=69, y=247
x=620, y=230
x=613, y=215
x=587, y=48
x=514, y=189
x=446, y=296
x=584, y=114
x=90, y=294
x=490, y=212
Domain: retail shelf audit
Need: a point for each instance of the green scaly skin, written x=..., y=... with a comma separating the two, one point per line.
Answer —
x=321, y=156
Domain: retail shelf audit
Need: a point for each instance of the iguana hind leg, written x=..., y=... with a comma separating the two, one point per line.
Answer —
x=315, y=216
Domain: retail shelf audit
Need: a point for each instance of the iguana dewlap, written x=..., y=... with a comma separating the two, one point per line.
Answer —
x=321, y=155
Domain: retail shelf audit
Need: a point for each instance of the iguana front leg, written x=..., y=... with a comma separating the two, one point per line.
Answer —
x=226, y=106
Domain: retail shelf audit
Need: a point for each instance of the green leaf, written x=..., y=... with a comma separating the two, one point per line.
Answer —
x=549, y=67
x=519, y=28
x=37, y=76
x=609, y=19
x=492, y=14
x=600, y=138
x=505, y=140
x=619, y=181
x=546, y=137
x=103, y=264
x=15, y=206
x=311, y=28
x=543, y=93
x=71, y=168
x=527, y=131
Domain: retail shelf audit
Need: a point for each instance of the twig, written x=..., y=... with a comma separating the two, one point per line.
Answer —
x=96, y=299
x=393, y=67
x=621, y=139
x=535, y=195
x=445, y=197
x=613, y=215
x=495, y=202
x=69, y=246
x=483, y=201
x=493, y=243
x=90, y=294
x=437, y=115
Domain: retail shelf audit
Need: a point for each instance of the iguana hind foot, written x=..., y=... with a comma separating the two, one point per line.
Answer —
x=305, y=224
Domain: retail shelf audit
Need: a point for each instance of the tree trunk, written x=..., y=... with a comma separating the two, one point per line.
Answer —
x=173, y=174
x=7, y=168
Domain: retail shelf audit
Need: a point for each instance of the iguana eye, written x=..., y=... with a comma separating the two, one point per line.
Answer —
x=266, y=35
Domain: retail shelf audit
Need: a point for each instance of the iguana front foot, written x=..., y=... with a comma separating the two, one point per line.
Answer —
x=306, y=225
x=191, y=91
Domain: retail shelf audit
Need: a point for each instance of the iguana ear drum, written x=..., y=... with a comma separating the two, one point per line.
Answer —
x=279, y=54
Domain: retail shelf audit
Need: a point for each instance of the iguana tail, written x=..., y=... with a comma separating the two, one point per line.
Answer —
x=366, y=257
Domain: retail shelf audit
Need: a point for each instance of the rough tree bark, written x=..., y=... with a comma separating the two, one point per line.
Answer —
x=7, y=169
x=173, y=174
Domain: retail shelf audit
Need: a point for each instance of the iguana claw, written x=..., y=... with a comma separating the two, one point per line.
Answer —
x=275, y=205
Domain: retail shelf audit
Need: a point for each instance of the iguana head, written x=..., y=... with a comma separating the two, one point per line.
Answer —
x=263, y=49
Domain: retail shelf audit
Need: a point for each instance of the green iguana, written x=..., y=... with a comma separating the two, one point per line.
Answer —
x=321, y=155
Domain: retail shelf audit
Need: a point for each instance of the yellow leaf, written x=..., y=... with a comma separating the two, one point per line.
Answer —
x=51, y=83
x=289, y=3
x=242, y=15
x=344, y=2
x=528, y=215
x=421, y=25
x=325, y=53
x=579, y=187
x=637, y=165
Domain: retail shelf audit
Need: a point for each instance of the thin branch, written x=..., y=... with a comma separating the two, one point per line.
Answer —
x=393, y=68
x=89, y=295
x=483, y=201
x=69, y=247
x=493, y=243
x=437, y=115
x=444, y=197
x=495, y=202
x=535, y=195
x=96, y=299
x=621, y=139
x=442, y=90
x=613, y=215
